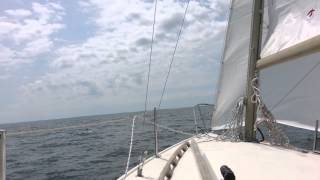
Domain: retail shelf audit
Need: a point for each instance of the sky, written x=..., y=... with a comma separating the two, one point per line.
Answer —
x=63, y=58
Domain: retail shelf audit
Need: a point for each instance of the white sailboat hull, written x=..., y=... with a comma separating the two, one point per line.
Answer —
x=247, y=161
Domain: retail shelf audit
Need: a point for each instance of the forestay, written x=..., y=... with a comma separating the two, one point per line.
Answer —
x=291, y=90
x=233, y=76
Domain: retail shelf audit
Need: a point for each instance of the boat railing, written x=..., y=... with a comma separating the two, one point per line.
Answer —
x=316, y=138
x=2, y=154
x=199, y=116
x=155, y=132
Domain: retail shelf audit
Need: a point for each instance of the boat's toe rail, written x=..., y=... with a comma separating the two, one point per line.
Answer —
x=168, y=169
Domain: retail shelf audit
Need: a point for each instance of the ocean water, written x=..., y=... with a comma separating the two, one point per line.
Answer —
x=96, y=147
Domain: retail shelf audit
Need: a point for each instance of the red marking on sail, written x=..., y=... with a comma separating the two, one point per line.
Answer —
x=310, y=13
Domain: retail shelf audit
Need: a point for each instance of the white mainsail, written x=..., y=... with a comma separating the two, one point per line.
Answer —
x=291, y=90
x=233, y=74
x=287, y=23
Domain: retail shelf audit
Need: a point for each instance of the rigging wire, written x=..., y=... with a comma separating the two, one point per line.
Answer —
x=173, y=54
x=57, y=129
x=149, y=66
x=130, y=147
x=87, y=125
x=295, y=86
x=171, y=129
x=150, y=60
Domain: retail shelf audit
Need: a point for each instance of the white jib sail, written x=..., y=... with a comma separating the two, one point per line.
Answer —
x=291, y=90
x=233, y=76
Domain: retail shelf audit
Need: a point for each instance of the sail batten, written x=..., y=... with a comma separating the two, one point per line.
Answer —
x=306, y=47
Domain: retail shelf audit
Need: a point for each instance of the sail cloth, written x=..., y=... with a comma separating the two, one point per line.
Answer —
x=291, y=90
x=233, y=75
x=288, y=22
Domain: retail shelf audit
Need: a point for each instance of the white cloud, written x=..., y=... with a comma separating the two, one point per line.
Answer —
x=107, y=71
x=6, y=28
x=18, y=13
x=120, y=46
x=36, y=47
x=28, y=33
x=6, y=54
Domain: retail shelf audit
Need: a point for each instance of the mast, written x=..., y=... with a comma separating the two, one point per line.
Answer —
x=254, y=53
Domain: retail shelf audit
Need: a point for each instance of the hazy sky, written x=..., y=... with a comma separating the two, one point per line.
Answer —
x=70, y=58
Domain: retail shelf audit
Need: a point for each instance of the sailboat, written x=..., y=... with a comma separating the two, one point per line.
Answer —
x=269, y=76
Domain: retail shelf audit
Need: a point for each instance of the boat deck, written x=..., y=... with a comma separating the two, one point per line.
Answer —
x=153, y=166
x=247, y=161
